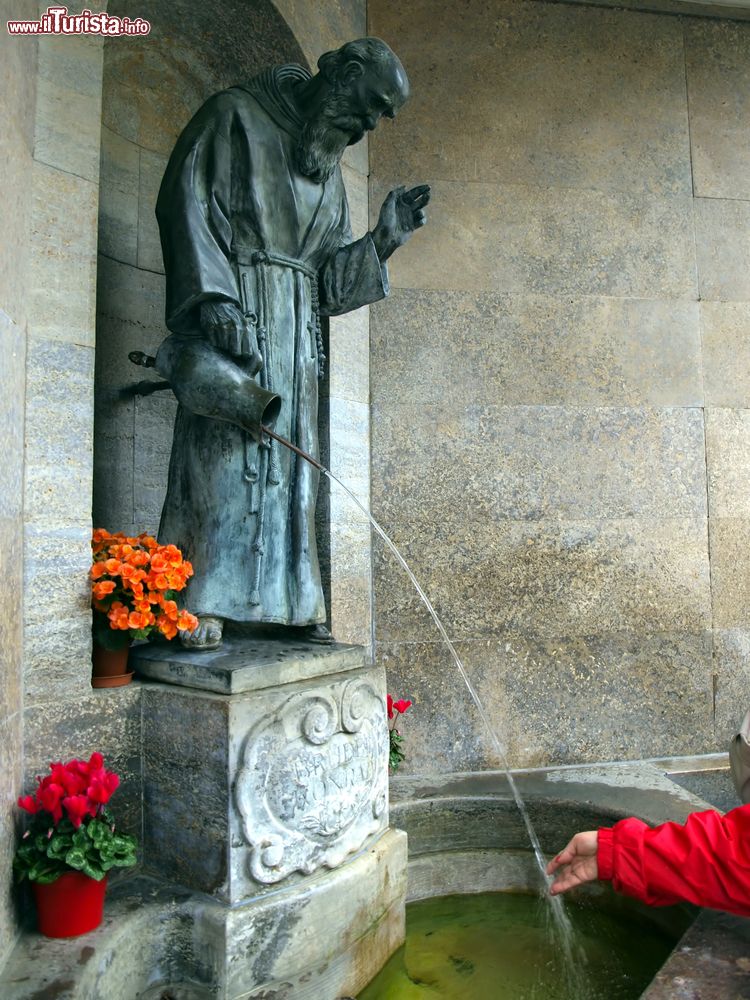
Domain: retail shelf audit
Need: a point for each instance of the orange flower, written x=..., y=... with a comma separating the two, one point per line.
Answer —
x=186, y=622
x=118, y=616
x=170, y=610
x=172, y=554
x=101, y=589
x=144, y=572
x=131, y=574
x=137, y=620
x=158, y=563
x=166, y=627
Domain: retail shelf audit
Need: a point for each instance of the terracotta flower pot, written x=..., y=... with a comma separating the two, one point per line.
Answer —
x=110, y=667
x=72, y=905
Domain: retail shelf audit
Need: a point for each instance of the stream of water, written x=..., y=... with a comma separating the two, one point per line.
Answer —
x=561, y=925
x=562, y=922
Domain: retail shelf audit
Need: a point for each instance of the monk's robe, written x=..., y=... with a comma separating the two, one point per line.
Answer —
x=239, y=223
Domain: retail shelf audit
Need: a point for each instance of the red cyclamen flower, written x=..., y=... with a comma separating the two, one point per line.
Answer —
x=49, y=797
x=102, y=787
x=77, y=807
x=390, y=706
x=28, y=802
x=81, y=787
x=401, y=706
x=67, y=777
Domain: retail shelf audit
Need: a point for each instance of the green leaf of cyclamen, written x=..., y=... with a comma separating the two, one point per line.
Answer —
x=80, y=838
x=44, y=872
x=75, y=858
x=47, y=878
x=93, y=871
x=58, y=847
x=99, y=829
x=27, y=854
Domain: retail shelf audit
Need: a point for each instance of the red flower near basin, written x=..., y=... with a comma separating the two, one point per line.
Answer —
x=77, y=807
x=71, y=844
x=396, y=708
x=78, y=788
x=399, y=706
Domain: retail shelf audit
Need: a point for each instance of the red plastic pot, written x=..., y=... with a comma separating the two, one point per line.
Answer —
x=69, y=906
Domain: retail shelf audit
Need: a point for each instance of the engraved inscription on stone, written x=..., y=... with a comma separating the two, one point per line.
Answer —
x=321, y=791
x=312, y=785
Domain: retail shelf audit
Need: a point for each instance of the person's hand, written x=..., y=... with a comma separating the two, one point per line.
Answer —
x=226, y=328
x=402, y=212
x=576, y=864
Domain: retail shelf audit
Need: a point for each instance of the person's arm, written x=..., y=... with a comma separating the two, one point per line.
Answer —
x=706, y=861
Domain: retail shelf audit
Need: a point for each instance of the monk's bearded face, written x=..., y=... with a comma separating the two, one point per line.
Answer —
x=326, y=135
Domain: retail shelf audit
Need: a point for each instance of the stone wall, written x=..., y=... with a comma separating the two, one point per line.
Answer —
x=53, y=154
x=18, y=59
x=55, y=149
x=559, y=432
x=62, y=716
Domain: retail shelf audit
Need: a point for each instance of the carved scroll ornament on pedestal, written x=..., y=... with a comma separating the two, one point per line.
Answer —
x=313, y=781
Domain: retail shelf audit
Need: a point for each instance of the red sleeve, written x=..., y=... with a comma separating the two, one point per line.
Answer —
x=706, y=861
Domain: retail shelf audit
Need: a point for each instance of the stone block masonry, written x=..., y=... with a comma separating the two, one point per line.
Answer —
x=559, y=380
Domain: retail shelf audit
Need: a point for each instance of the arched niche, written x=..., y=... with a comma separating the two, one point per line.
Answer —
x=151, y=87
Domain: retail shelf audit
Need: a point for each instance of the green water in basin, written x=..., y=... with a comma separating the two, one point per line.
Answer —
x=495, y=946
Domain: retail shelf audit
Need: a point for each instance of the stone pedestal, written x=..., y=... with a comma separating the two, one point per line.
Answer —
x=265, y=789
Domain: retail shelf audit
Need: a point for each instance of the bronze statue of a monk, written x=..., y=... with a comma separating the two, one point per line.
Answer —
x=257, y=247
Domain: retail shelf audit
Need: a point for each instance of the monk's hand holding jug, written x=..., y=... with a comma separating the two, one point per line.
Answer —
x=226, y=328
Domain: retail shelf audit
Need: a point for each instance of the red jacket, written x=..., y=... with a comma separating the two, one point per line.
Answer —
x=706, y=861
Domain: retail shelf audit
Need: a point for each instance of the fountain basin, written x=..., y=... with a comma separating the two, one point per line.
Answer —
x=502, y=945
x=465, y=835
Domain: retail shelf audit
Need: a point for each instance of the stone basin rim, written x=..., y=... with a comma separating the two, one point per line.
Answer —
x=710, y=958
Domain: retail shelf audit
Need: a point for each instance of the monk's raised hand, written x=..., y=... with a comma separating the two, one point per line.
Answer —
x=411, y=206
x=402, y=212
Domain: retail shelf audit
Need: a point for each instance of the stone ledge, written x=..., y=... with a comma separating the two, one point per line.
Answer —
x=243, y=664
x=711, y=962
x=157, y=939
